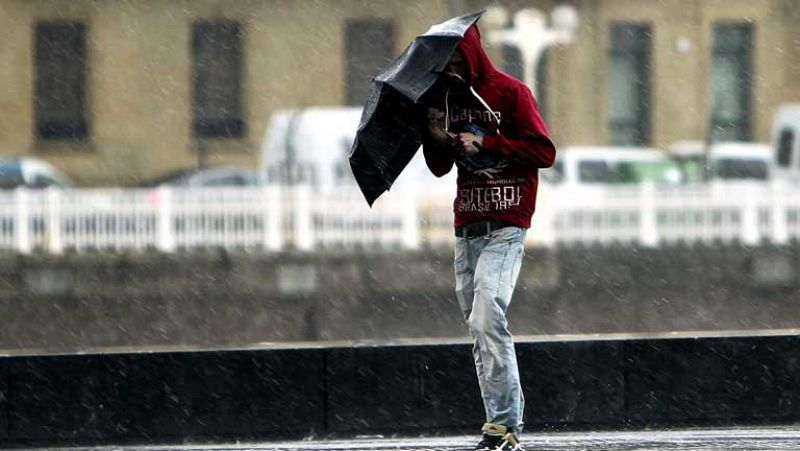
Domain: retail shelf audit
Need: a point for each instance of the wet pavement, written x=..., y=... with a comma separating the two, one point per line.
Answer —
x=739, y=439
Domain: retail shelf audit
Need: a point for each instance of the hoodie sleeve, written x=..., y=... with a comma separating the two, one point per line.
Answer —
x=527, y=139
x=439, y=159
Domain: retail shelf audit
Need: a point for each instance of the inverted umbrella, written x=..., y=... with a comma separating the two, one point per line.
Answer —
x=390, y=130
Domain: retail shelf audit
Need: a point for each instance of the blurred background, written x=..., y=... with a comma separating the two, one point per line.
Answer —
x=174, y=173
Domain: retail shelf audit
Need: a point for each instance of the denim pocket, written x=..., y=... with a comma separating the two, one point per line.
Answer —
x=507, y=234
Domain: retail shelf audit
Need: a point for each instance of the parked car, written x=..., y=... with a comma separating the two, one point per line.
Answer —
x=210, y=177
x=611, y=165
x=30, y=173
x=722, y=161
x=739, y=161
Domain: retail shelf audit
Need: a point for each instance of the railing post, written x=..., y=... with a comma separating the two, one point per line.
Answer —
x=749, y=231
x=55, y=244
x=648, y=226
x=273, y=218
x=543, y=223
x=22, y=237
x=166, y=235
x=780, y=231
x=303, y=231
x=410, y=220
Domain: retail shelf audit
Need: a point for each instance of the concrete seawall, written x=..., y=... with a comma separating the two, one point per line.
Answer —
x=75, y=302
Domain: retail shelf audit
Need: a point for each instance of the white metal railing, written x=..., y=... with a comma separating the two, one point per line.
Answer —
x=342, y=219
x=273, y=218
x=169, y=219
x=746, y=212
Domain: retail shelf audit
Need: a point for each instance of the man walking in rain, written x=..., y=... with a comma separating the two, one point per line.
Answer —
x=487, y=124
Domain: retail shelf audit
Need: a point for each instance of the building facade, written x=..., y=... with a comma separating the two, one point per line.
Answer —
x=114, y=92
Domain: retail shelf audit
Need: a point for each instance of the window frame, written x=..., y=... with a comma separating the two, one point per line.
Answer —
x=722, y=47
x=222, y=126
x=356, y=80
x=640, y=49
x=46, y=127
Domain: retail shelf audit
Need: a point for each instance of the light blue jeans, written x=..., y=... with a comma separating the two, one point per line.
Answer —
x=486, y=269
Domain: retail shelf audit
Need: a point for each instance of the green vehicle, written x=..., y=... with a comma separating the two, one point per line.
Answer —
x=612, y=165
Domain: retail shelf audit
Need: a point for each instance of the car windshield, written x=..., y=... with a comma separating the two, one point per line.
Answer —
x=553, y=174
x=10, y=175
x=645, y=171
x=730, y=168
x=593, y=172
x=623, y=172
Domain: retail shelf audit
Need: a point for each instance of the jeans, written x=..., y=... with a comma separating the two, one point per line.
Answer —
x=486, y=270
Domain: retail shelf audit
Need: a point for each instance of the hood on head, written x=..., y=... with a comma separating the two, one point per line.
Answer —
x=478, y=61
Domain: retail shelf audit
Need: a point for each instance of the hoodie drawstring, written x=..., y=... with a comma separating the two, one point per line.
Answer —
x=485, y=105
x=447, y=110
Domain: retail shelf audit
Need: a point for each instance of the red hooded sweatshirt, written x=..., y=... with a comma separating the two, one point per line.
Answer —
x=506, y=191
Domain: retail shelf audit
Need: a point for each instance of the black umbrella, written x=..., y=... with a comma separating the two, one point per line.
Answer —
x=390, y=131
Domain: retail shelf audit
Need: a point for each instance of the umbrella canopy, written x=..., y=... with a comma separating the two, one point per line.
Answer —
x=390, y=130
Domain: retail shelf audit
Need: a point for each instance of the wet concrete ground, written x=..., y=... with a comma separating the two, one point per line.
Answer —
x=739, y=439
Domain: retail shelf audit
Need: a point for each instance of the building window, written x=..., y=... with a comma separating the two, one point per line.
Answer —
x=541, y=84
x=217, y=79
x=513, y=65
x=512, y=62
x=731, y=82
x=369, y=47
x=60, y=81
x=629, y=84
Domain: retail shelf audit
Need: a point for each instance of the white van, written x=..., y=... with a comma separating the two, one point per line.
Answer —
x=588, y=165
x=315, y=142
x=786, y=143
